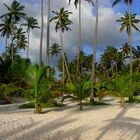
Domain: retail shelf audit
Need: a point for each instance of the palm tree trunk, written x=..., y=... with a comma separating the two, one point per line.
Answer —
x=122, y=102
x=48, y=37
x=131, y=51
x=28, y=44
x=63, y=71
x=94, y=52
x=79, y=38
x=63, y=55
x=38, y=108
x=41, y=36
x=80, y=105
x=6, y=38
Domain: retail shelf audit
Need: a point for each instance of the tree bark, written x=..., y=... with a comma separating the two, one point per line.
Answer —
x=6, y=38
x=131, y=49
x=48, y=37
x=28, y=44
x=93, y=80
x=80, y=105
x=63, y=55
x=79, y=38
x=41, y=35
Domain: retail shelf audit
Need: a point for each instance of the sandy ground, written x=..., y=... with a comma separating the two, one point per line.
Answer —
x=93, y=123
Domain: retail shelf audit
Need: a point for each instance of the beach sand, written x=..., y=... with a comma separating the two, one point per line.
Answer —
x=108, y=122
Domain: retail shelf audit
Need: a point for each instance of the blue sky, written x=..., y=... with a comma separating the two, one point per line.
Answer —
x=107, y=36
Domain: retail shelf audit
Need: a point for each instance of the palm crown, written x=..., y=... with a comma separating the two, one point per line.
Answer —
x=30, y=23
x=77, y=1
x=55, y=49
x=125, y=1
x=125, y=24
x=62, y=19
x=15, y=11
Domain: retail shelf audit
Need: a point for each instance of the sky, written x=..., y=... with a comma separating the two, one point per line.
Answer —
x=108, y=28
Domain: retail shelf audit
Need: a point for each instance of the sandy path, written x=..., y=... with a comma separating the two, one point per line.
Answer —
x=94, y=123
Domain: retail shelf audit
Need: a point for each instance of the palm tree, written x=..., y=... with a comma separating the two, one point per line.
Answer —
x=80, y=90
x=42, y=31
x=55, y=49
x=125, y=25
x=5, y=29
x=128, y=22
x=62, y=24
x=48, y=36
x=19, y=39
x=79, y=33
x=30, y=23
x=15, y=13
x=125, y=50
x=93, y=78
x=34, y=76
x=123, y=88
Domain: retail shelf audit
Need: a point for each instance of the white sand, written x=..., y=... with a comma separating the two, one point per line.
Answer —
x=93, y=123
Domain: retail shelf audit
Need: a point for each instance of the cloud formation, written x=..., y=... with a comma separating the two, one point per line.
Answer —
x=108, y=28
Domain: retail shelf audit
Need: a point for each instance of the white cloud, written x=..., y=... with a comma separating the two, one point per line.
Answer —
x=108, y=29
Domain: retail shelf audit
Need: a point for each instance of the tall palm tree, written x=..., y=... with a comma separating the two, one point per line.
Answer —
x=93, y=79
x=127, y=26
x=79, y=31
x=15, y=13
x=48, y=36
x=42, y=31
x=5, y=29
x=55, y=49
x=62, y=24
x=30, y=23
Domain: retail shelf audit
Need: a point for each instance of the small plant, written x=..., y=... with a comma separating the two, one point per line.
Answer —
x=80, y=90
x=34, y=78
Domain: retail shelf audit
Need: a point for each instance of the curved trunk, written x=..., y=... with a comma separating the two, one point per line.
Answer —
x=131, y=48
x=63, y=55
x=41, y=36
x=48, y=37
x=93, y=80
x=79, y=38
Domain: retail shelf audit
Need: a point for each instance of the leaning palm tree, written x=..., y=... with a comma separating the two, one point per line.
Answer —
x=15, y=13
x=5, y=29
x=30, y=23
x=62, y=24
x=79, y=32
x=55, y=49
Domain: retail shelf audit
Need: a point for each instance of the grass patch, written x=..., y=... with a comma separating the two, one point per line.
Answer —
x=94, y=103
x=43, y=105
x=134, y=100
